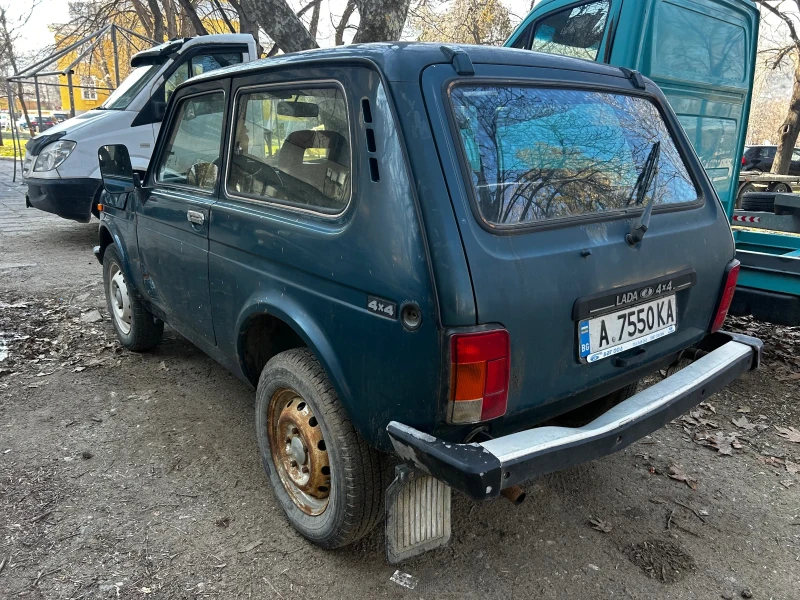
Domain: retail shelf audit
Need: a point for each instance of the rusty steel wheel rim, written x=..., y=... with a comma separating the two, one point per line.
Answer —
x=299, y=452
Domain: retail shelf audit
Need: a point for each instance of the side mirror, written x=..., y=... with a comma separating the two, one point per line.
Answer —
x=116, y=169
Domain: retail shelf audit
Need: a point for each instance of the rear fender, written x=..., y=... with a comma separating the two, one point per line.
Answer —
x=285, y=308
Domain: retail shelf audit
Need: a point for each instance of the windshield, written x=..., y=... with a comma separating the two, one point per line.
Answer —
x=128, y=89
x=539, y=154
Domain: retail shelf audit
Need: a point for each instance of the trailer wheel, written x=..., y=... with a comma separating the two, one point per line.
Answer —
x=780, y=187
x=759, y=201
x=745, y=189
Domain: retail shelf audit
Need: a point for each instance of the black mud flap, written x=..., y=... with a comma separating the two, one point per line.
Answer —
x=417, y=514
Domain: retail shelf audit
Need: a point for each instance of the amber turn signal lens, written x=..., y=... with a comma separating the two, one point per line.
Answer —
x=480, y=370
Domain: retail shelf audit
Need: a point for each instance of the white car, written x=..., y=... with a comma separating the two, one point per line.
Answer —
x=61, y=167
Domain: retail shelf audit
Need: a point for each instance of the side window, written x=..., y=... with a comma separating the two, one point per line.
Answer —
x=576, y=31
x=200, y=63
x=523, y=39
x=796, y=154
x=292, y=146
x=191, y=154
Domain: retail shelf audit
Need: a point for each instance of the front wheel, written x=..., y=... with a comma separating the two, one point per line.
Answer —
x=137, y=329
x=326, y=478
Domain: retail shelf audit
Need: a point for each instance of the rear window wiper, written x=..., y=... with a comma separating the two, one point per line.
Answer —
x=641, y=187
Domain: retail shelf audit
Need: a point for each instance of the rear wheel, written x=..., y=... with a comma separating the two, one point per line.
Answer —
x=137, y=329
x=326, y=478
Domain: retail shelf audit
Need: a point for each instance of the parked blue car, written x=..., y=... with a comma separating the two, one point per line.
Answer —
x=456, y=260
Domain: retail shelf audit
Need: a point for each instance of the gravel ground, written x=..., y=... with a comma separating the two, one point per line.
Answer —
x=137, y=476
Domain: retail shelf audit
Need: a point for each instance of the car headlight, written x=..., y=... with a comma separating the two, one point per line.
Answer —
x=53, y=155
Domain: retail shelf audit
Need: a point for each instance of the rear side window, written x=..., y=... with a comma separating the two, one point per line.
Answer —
x=292, y=146
x=576, y=31
x=540, y=154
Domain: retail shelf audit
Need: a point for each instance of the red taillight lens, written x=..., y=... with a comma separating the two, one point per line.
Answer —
x=728, y=289
x=479, y=372
x=744, y=160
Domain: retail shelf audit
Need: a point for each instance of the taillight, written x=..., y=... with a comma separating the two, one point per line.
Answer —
x=479, y=373
x=744, y=160
x=728, y=289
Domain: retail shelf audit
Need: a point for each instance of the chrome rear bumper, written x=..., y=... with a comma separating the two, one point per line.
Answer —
x=481, y=470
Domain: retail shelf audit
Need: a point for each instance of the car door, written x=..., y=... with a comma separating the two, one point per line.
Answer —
x=794, y=165
x=173, y=221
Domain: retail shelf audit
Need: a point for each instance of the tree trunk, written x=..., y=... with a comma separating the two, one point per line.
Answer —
x=169, y=17
x=348, y=12
x=190, y=12
x=144, y=18
x=381, y=20
x=281, y=24
x=158, y=21
x=312, y=27
x=247, y=24
x=787, y=134
x=224, y=16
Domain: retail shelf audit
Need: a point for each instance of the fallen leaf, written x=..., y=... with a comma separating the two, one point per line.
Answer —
x=789, y=433
x=708, y=407
x=600, y=525
x=251, y=546
x=787, y=483
x=743, y=423
x=792, y=377
x=676, y=473
x=772, y=461
x=743, y=409
x=792, y=467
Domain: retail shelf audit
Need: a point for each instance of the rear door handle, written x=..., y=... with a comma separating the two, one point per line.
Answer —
x=195, y=217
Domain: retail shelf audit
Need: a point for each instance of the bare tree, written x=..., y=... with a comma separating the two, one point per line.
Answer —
x=788, y=11
x=340, y=27
x=381, y=20
x=9, y=58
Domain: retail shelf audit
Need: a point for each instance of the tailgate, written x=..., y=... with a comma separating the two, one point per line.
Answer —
x=545, y=169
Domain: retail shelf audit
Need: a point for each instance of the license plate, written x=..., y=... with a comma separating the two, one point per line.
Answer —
x=611, y=334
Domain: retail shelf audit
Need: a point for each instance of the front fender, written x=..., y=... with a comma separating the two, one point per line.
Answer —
x=290, y=312
x=110, y=230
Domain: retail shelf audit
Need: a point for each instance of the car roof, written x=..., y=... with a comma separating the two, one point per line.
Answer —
x=404, y=61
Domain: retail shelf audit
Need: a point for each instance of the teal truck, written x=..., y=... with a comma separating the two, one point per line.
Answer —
x=702, y=55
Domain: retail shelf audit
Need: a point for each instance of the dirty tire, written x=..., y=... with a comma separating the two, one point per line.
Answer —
x=759, y=202
x=145, y=330
x=355, y=501
x=747, y=188
x=589, y=412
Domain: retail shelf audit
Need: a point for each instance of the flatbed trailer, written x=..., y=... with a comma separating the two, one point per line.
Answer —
x=757, y=181
x=768, y=248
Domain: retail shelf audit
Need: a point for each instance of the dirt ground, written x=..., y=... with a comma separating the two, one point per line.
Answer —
x=137, y=476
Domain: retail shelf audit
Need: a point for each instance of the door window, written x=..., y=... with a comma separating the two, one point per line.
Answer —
x=796, y=155
x=200, y=63
x=292, y=146
x=576, y=31
x=191, y=154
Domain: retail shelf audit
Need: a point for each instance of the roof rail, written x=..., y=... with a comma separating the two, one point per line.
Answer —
x=459, y=59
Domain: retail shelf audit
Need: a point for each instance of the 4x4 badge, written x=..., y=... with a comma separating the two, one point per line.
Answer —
x=384, y=308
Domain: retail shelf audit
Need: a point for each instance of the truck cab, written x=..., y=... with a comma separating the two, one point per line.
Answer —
x=60, y=165
x=701, y=53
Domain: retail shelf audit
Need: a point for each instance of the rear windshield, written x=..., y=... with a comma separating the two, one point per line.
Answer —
x=538, y=154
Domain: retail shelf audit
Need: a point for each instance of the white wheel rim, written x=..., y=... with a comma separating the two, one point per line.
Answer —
x=119, y=300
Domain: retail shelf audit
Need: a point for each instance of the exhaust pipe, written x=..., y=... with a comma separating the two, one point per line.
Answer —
x=514, y=494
